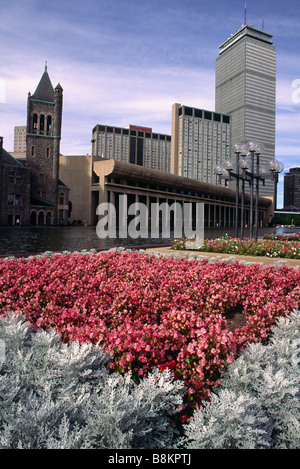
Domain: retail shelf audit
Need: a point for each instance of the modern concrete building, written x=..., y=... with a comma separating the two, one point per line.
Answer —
x=20, y=139
x=245, y=89
x=292, y=188
x=135, y=144
x=112, y=178
x=77, y=173
x=200, y=140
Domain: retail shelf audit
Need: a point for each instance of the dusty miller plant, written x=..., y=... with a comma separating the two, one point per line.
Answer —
x=258, y=403
x=59, y=396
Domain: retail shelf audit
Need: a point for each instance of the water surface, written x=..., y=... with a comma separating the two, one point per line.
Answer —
x=34, y=240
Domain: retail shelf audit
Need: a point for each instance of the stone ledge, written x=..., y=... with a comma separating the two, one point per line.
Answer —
x=255, y=259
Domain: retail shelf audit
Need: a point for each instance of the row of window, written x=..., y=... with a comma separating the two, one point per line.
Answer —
x=47, y=152
x=42, y=124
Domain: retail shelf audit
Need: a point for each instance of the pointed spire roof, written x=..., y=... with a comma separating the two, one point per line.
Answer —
x=44, y=90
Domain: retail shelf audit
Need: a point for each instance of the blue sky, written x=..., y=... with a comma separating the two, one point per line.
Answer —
x=124, y=62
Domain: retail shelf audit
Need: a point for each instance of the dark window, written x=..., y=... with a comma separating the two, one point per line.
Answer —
x=42, y=123
x=49, y=124
x=180, y=111
x=18, y=199
x=198, y=112
x=207, y=115
x=10, y=199
x=140, y=152
x=132, y=150
x=34, y=122
x=32, y=151
x=217, y=117
x=188, y=111
x=110, y=129
x=226, y=119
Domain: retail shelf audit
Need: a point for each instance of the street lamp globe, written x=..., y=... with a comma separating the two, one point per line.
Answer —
x=275, y=166
x=245, y=163
x=256, y=147
x=228, y=165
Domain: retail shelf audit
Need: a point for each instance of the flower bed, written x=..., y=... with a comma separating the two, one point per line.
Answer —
x=283, y=237
x=278, y=248
x=152, y=312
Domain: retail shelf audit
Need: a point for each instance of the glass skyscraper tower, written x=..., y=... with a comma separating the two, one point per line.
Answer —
x=246, y=90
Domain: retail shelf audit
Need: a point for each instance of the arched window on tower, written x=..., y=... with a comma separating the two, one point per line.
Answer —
x=34, y=123
x=42, y=123
x=49, y=125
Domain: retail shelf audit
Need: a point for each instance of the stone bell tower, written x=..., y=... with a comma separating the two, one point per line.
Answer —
x=43, y=135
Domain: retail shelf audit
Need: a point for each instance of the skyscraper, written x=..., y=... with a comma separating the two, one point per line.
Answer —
x=246, y=90
x=292, y=188
x=200, y=140
x=20, y=139
x=136, y=145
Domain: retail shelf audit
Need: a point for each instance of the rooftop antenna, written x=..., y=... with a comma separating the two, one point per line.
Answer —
x=46, y=66
x=245, y=19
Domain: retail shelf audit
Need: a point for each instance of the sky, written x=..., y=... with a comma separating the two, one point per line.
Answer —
x=124, y=62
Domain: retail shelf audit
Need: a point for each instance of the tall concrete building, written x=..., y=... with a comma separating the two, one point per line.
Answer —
x=20, y=139
x=200, y=141
x=135, y=144
x=245, y=89
x=292, y=188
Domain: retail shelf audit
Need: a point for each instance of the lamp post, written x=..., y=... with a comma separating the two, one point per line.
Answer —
x=251, y=172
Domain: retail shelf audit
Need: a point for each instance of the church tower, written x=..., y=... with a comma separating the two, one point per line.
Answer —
x=43, y=135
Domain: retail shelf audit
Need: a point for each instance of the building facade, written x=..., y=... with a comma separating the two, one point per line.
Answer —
x=113, y=178
x=20, y=139
x=245, y=89
x=135, y=144
x=292, y=188
x=31, y=191
x=200, y=141
x=14, y=190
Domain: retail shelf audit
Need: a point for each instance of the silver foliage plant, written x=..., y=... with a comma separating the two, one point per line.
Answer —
x=258, y=403
x=59, y=396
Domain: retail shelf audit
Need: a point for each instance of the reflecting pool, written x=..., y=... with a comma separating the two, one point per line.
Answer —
x=34, y=240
